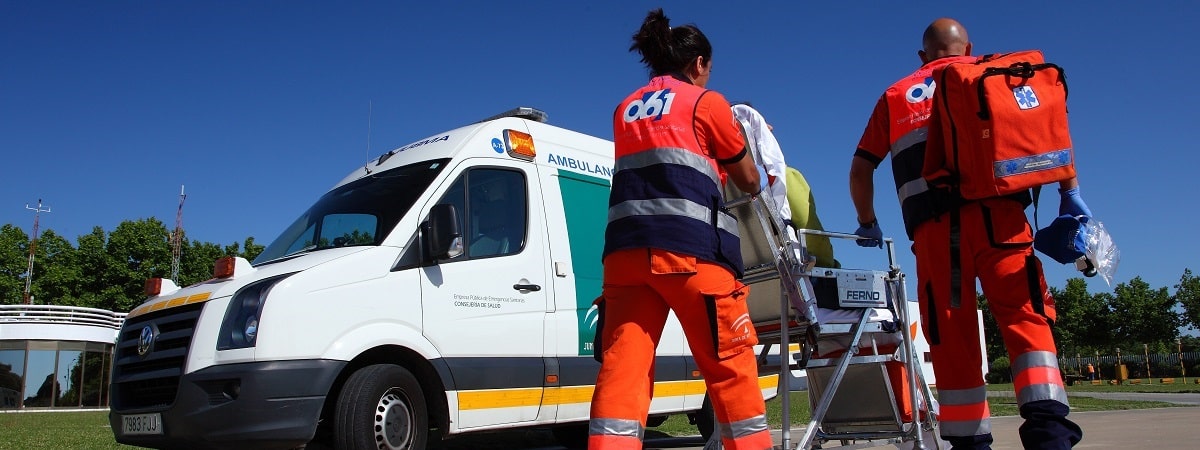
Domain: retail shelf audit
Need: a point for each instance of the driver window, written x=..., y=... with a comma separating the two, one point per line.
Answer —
x=493, y=206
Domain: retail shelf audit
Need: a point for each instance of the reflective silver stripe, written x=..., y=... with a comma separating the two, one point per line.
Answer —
x=671, y=206
x=615, y=427
x=908, y=140
x=744, y=427
x=1038, y=391
x=669, y=155
x=962, y=396
x=1044, y=391
x=1034, y=359
x=964, y=428
x=912, y=188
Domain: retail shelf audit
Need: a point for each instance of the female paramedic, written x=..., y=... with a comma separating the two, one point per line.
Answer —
x=670, y=246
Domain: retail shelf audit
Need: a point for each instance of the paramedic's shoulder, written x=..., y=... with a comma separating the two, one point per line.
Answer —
x=714, y=117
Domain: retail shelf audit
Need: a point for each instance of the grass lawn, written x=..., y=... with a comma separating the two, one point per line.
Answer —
x=90, y=430
x=57, y=431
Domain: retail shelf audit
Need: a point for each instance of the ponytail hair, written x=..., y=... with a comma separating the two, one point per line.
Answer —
x=667, y=49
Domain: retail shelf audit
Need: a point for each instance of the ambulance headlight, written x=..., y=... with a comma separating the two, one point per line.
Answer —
x=240, y=327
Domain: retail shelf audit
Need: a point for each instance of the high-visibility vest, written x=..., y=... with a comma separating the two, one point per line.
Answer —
x=666, y=192
x=909, y=103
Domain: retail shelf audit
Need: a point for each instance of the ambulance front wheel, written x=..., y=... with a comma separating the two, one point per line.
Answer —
x=381, y=407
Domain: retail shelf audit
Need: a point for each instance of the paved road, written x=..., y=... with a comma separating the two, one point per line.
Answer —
x=1159, y=428
x=1166, y=397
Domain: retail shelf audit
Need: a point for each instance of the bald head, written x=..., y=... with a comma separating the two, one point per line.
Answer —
x=944, y=37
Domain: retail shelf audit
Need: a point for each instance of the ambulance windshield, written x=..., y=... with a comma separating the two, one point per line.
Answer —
x=358, y=213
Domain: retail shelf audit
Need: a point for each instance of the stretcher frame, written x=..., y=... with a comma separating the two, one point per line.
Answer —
x=798, y=321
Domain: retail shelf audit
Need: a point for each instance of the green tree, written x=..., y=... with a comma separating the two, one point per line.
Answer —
x=1187, y=293
x=56, y=273
x=137, y=250
x=1085, y=321
x=196, y=265
x=14, y=257
x=104, y=270
x=993, y=340
x=1144, y=315
x=250, y=250
x=98, y=286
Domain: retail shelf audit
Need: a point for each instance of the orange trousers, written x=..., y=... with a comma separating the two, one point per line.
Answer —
x=641, y=286
x=995, y=245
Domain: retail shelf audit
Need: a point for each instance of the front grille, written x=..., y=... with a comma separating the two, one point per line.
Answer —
x=152, y=380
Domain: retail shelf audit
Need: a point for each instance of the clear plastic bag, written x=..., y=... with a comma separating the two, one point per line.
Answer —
x=1102, y=254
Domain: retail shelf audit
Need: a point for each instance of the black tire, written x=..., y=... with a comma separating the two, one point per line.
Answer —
x=706, y=419
x=574, y=436
x=381, y=407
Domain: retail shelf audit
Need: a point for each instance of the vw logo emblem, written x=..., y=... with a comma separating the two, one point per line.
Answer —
x=145, y=340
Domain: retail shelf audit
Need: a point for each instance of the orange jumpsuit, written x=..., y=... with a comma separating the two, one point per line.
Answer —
x=993, y=244
x=670, y=246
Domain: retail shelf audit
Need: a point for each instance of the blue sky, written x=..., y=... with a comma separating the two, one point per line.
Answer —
x=106, y=108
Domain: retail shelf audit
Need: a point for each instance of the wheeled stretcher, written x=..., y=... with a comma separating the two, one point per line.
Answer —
x=850, y=326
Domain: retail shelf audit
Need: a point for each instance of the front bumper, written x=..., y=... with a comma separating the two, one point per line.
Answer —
x=257, y=405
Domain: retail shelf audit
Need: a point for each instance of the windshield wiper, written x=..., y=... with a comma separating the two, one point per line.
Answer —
x=288, y=256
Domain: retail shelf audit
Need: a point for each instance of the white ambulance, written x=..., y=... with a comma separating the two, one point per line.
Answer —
x=444, y=288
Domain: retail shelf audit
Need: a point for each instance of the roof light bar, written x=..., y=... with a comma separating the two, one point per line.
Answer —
x=523, y=112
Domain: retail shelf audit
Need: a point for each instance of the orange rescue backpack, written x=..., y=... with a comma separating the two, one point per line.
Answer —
x=999, y=126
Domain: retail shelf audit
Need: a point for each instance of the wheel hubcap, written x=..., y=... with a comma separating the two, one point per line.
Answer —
x=393, y=421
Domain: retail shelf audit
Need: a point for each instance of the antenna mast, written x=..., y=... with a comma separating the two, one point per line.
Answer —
x=370, y=112
x=177, y=238
x=37, y=212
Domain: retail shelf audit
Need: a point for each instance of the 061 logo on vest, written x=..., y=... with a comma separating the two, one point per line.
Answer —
x=653, y=104
x=920, y=92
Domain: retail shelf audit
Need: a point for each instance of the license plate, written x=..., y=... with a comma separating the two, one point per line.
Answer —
x=141, y=424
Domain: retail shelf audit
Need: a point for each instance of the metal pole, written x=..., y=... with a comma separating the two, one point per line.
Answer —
x=1182, y=370
x=177, y=238
x=1117, y=373
x=32, y=246
x=1146, y=353
x=1079, y=365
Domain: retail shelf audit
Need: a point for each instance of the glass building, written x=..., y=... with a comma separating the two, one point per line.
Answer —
x=56, y=356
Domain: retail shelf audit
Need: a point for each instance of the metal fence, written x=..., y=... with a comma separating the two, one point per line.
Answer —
x=71, y=315
x=1161, y=364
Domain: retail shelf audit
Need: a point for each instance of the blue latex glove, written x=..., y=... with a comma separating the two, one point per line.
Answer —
x=1070, y=203
x=873, y=232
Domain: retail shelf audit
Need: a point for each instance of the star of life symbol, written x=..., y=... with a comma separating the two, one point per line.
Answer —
x=1026, y=98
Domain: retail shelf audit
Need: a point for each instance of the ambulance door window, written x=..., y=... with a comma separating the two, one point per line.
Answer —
x=493, y=206
x=497, y=207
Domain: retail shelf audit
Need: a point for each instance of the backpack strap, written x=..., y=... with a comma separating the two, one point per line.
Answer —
x=1037, y=192
x=1019, y=70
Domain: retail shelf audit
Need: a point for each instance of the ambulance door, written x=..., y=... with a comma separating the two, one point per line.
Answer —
x=485, y=310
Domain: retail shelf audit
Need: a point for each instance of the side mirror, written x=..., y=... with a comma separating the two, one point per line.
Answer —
x=442, y=236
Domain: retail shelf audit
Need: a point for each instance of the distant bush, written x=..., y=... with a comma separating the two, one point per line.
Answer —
x=999, y=371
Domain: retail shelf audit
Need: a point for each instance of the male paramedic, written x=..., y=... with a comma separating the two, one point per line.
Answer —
x=995, y=247
x=670, y=246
